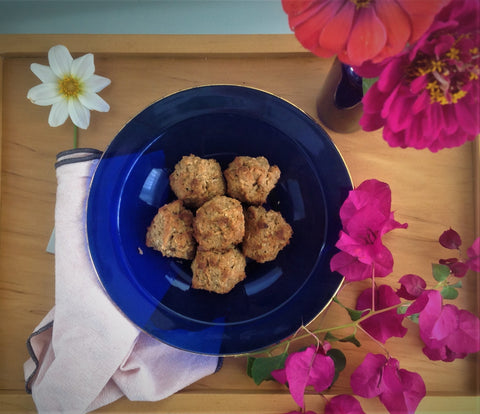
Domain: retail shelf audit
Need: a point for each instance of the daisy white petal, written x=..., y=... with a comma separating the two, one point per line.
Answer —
x=60, y=60
x=79, y=114
x=96, y=83
x=43, y=72
x=58, y=113
x=44, y=94
x=83, y=67
x=94, y=102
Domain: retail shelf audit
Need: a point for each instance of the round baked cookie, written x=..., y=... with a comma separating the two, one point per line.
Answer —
x=219, y=224
x=251, y=179
x=266, y=233
x=218, y=271
x=196, y=180
x=171, y=231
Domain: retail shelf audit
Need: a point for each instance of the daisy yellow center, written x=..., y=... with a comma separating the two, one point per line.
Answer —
x=69, y=86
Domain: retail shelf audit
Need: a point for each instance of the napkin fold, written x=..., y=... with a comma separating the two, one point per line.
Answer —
x=85, y=353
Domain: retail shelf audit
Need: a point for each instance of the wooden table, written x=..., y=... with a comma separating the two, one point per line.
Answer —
x=431, y=192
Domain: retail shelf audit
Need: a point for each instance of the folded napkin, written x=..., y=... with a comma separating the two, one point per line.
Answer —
x=85, y=353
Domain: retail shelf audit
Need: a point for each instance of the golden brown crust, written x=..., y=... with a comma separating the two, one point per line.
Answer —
x=251, y=179
x=171, y=231
x=196, y=180
x=218, y=271
x=219, y=224
x=266, y=233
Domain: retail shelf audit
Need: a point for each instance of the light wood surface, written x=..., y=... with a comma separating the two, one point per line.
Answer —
x=431, y=192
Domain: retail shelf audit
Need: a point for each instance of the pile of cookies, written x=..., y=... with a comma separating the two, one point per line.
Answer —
x=218, y=220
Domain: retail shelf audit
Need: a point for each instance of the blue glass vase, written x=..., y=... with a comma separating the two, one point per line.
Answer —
x=339, y=104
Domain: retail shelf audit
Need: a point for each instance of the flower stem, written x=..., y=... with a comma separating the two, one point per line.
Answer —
x=373, y=287
x=354, y=324
x=75, y=136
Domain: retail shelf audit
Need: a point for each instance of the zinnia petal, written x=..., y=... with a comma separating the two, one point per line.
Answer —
x=421, y=14
x=44, y=73
x=296, y=6
x=331, y=37
x=466, y=118
x=367, y=38
x=308, y=26
x=93, y=101
x=60, y=60
x=78, y=113
x=58, y=113
x=83, y=67
x=397, y=25
x=44, y=94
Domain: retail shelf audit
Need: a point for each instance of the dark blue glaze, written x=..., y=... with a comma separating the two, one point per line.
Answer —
x=131, y=182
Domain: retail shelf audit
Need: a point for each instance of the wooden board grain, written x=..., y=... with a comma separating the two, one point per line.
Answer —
x=431, y=192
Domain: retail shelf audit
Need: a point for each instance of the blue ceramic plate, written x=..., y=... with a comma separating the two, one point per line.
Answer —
x=131, y=182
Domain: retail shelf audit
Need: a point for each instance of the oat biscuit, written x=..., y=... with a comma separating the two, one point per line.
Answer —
x=196, y=180
x=266, y=233
x=171, y=231
x=218, y=272
x=250, y=179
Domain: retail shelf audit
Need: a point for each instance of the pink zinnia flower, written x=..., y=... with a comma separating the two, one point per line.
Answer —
x=429, y=97
x=359, y=30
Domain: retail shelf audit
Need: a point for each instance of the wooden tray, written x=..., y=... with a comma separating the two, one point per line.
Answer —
x=431, y=192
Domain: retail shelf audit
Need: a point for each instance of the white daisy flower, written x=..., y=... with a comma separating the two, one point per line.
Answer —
x=70, y=86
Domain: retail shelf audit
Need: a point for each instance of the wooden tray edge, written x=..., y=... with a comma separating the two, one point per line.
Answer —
x=32, y=45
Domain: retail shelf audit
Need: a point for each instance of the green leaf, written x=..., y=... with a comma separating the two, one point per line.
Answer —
x=250, y=361
x=351, y=338
x=330, y=337
x=449, y=292
x=457, y=285
x=367, y=83
x=261, y=368
x=440, y=272
x=414, y=317
x=339, y=361
x=402, y=310
x=355, y=315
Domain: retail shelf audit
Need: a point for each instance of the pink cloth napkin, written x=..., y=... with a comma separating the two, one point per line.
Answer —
x=85, y=354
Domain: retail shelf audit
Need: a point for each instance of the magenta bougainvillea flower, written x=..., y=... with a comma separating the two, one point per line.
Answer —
x=343, y=404
x=359, y=30
x=448, y=333
x=450, y=239
x=398, y=389
x=412, y=286
x=473, y=253
x=457, y=267
x=428, y=97
x=366, y=216
x=386, y=324
x=311, y=367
